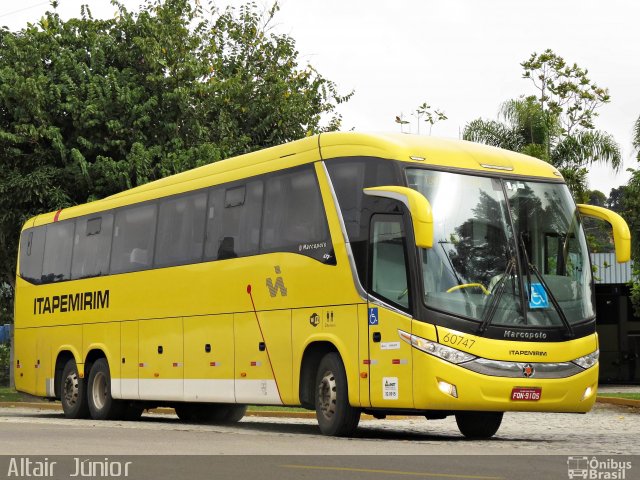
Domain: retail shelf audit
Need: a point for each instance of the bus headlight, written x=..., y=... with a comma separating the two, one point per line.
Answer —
x=436, y=349
x=588, y=361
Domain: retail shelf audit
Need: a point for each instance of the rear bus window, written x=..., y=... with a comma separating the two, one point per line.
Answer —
x=31, y=254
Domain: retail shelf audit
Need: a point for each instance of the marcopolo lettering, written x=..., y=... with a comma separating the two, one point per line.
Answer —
x=525, y=335
x=71, y=302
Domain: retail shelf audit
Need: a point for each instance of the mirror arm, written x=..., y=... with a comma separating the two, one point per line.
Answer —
x=621, y=234
x=417, y=205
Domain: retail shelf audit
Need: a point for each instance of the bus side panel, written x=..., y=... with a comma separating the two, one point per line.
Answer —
x=61, y=339
x=104, y=337
x=276, y=327
x=208, y=359
x=337, y=325
x=25, y=360
x=254, y=382
x=44, y=370
x=391, y=368
x=161, y=359
x=128, y=381
x=363, y=354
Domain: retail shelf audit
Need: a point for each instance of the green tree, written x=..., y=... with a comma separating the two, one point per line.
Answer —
x=628, y=199
x=557, y=125
x=90, y=107
x=599, y=234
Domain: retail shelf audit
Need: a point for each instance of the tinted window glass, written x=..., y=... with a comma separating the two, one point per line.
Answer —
x=388, y=266
x=233, y=221
x=181, y=230
x=92, y=245
x=294, y=218
x=133, y=239
x=58, y=247
x=31, y=253
x=349, y=177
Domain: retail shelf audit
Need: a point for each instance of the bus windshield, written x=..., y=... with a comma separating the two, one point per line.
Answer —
x=505, y=252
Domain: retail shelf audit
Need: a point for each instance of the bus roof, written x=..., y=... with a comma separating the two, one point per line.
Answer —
x=421, y=150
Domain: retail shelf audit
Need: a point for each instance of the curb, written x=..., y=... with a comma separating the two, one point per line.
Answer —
x=169, y=411
x=625, y=402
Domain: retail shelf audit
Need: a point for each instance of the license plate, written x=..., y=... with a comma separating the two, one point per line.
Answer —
x=528, y=394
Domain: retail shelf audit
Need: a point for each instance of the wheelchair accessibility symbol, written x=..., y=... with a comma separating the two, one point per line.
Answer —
x=538, y=297
x=373, y=316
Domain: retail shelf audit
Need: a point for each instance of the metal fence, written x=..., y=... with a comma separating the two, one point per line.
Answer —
x=5, y=352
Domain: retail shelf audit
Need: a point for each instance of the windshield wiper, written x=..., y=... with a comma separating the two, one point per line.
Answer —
x=499, y=291
x=554, y=301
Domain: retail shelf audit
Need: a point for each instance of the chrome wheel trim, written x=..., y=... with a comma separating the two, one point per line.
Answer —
x=71, y=389
x=99, y=390
x=327, y=395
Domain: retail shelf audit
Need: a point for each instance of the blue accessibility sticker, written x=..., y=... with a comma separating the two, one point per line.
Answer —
x=373, y=316
x=538, y=297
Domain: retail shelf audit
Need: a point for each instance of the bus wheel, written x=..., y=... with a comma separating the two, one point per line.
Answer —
x=101, y=405
x=72, y=392
x=335, y=416
x=479, y=425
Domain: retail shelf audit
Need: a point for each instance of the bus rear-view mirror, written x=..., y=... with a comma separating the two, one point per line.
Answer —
x=418, y=206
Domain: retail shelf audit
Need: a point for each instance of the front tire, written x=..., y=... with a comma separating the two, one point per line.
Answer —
x=335, y=416
x=102, y=406
x=72, y=392
x=479, y=425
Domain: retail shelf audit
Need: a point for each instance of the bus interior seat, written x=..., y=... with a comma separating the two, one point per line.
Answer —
x=227, y=248
x=139, y=256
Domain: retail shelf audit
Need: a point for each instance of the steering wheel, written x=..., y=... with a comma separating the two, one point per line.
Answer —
x=470, y=285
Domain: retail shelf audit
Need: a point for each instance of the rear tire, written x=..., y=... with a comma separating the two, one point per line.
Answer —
x=216, y=414
x=72, y=392
x=335, y=416
x=101, y=404
x=479, y=425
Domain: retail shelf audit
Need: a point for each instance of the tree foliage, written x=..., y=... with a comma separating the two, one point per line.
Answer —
x=90, y=107
x=636, y=137
x=557, y=125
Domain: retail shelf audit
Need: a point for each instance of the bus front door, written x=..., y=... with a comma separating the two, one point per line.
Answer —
x=390, y=367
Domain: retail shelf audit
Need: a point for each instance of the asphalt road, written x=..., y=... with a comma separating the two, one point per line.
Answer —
x=528, y=445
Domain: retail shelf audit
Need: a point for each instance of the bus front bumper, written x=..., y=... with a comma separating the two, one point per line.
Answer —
x=446, y=386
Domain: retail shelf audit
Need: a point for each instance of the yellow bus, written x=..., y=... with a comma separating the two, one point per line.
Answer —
x=345, y=272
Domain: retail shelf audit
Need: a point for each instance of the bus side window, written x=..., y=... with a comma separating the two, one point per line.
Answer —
x=388, y=263
x=213, y=229
x=234, y=216
x=180, y=230
x=91, y=246
x=58, y=248
x=31, y=254
x=294, y=218
x=133, y=238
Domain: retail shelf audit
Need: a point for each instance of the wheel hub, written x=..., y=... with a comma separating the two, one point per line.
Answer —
x=71, y=390
x=327, y=395
x=99, y=390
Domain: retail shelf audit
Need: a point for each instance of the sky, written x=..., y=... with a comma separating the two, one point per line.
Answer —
x=460, y=56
